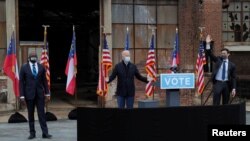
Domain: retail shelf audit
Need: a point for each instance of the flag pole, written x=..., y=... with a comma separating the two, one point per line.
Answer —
x=153, y=32
x=127, y=39
x=49, y=116
x=102, y=104
x=16, y=98
x=73, y=113
x=75, y=92
x=153, y=28
x=99, y=97
x=201, y=36
x=16, y=117
x=45, y=44
x=102, y=84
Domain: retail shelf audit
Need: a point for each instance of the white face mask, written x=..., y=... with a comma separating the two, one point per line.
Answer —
x=126, y=59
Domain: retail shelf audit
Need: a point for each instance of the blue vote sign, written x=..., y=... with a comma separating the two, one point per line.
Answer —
x=177, y=81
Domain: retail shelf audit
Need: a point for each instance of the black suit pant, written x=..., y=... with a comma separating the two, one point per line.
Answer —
x=39, y=103
x=221, y=88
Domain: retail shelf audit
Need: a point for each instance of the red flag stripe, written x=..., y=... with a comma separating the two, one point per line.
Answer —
x=199, y=71
x=105, y=66
x=149, y=89
x=151, y=68
x=45, y=63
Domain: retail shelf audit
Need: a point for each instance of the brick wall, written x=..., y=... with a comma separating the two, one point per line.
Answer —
x=241, y=60
x=242, y=71
x=192, y=15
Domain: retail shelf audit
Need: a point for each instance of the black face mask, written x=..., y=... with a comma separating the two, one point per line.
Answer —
x=223, y=57
x=33, y=59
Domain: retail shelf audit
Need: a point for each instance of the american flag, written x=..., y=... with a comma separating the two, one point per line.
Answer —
x=175, y=53
x=201, y=60
x=105, y=66
x=151, y=68
x=45, y=62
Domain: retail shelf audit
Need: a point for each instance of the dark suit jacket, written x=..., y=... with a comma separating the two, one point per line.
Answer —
x=125, y=78
x=231, y=69
x=30, y=86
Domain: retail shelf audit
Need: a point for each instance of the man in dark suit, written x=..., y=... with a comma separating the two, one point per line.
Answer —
x=34, y=92
x=223, y=75
x=125, y=72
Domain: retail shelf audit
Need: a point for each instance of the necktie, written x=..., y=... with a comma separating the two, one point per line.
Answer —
x=224, y=70
x=34, y=70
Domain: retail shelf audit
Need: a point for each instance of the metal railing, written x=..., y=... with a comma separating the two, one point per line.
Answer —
x=211, y=92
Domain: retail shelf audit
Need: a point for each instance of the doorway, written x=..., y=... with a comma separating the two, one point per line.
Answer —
x=61, y=16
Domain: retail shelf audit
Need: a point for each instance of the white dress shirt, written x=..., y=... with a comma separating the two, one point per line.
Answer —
x=219, y=73
x=31, y=67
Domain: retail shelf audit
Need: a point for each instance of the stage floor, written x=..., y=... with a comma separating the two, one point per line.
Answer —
x=61, y=130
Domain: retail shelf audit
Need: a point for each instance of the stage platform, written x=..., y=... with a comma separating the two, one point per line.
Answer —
x=158, y=124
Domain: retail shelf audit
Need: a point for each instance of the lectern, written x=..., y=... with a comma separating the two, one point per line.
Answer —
x=172, y=97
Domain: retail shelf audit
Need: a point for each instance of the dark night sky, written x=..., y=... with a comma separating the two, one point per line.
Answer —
x=61, y=15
